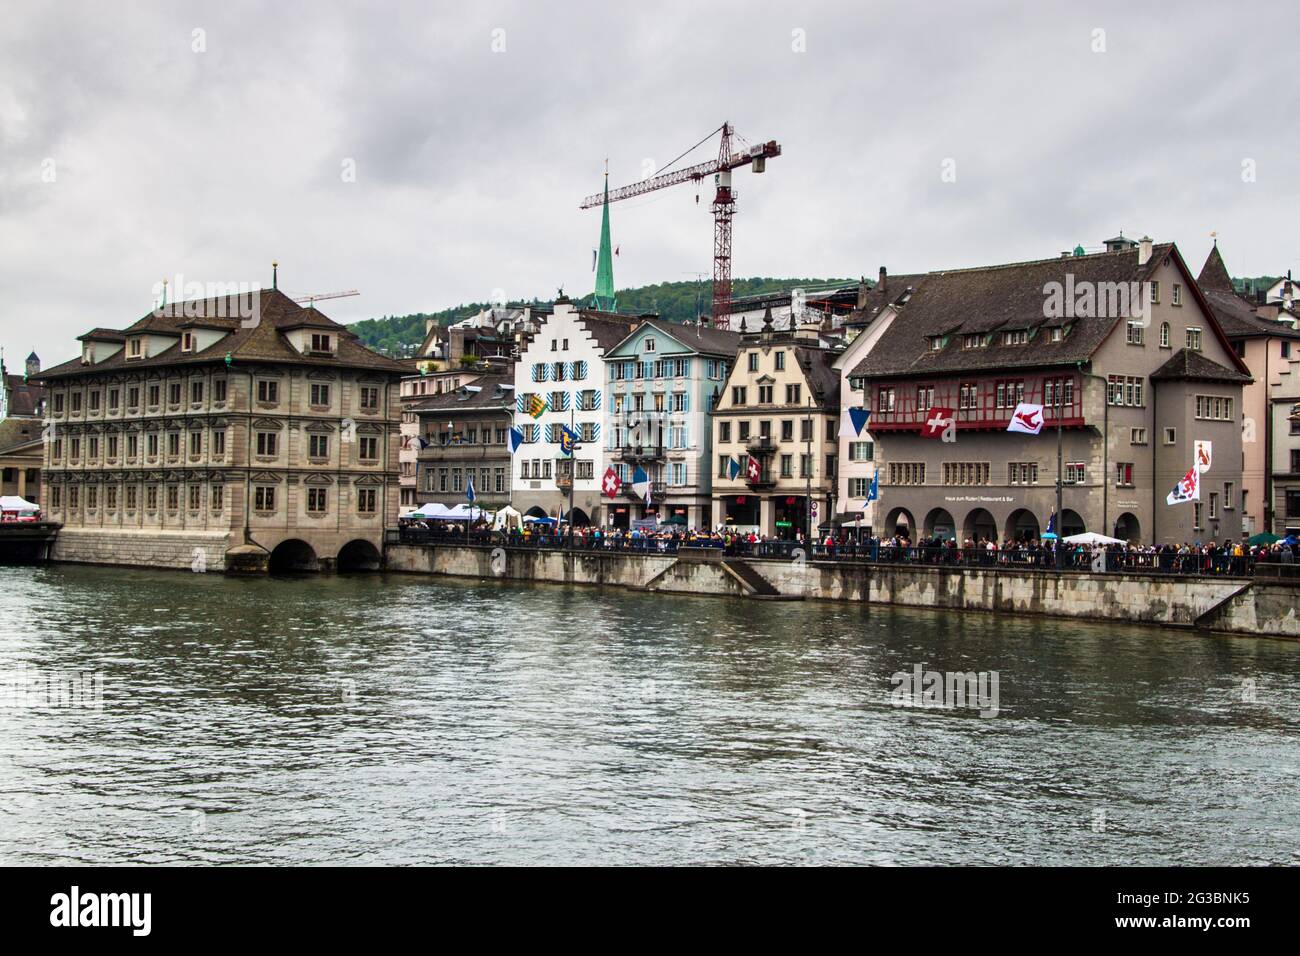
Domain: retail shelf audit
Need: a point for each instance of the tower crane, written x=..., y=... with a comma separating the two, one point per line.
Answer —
x=724, y=204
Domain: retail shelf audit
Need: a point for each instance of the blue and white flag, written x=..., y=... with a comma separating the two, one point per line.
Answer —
x=567, y=439
x=516, y=438
x=1051, y=525
x=854, y=420
x=733, y=467
x=874, y=491
x=469, y=490
x=641, y=484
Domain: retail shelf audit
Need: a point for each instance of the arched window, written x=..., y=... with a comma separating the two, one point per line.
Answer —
x=1164, y=335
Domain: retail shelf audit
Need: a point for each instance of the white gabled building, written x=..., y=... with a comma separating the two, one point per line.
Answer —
x=564, y=365
x=869, y=320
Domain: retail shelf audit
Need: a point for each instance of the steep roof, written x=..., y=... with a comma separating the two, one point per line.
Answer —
x=19, y=434
x=701, y=338
x=607, y=329
x=1190, y=365
x=1236, y=314
x=25, y=397
x=818, y=367
x=990, y=299
x=494, y=391
x=891, y=291
x=1214, y=274
x=263, y=342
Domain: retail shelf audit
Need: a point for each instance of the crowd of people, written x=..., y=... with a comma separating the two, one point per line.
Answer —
x=1199, y=557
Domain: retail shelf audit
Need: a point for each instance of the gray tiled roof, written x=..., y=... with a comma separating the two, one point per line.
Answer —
x=993, y=298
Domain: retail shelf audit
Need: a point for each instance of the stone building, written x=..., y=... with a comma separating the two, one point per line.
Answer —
x=873, y=314
x=1265, y=335
x=1132, y=388
x=224, y=435
x=663, y=380
x=463, y=436
x=779, y=410
x=22, y=407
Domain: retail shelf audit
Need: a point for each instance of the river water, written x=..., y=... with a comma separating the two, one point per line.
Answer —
x=395, y=719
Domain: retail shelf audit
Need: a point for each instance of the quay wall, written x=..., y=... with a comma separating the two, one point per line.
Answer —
x=157, y=549
x=1229, y=604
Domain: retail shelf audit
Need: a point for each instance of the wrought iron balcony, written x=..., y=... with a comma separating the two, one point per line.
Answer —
x=640, y=452
x=760, y=445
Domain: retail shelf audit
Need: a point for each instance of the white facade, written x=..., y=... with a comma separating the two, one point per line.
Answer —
x=857, y=454
x=563, y=365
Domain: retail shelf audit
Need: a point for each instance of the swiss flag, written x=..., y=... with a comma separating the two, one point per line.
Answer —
x=753, y=470
x=610, y=484
x=936, y=420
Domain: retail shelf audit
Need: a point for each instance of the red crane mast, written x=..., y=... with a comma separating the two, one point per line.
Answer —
x=724, y=205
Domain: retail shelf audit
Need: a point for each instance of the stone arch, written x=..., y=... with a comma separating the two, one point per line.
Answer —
x=580, y=518
x=1128, y=528
x=1022, y=525
x=293, y=554
x=899, y=521
x=980, y=523
x=1071, y=523
x=536, y=511
x=358, y=555
x=940, y=522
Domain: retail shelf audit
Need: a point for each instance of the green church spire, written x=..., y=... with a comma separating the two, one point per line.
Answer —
x=605, y=260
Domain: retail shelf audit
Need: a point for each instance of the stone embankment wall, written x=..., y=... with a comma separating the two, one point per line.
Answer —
x=161, y=549
x=1236, y=605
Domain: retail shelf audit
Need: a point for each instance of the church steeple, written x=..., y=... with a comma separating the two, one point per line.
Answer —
x=605, y=258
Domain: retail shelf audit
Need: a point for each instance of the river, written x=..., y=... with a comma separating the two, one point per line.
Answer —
x=390, y=719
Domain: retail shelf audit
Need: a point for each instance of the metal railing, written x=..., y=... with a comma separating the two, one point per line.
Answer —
x=1217, y=564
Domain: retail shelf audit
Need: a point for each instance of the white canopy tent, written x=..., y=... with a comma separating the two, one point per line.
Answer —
x=507, y=517
x=1091, y=538
x=14, y=503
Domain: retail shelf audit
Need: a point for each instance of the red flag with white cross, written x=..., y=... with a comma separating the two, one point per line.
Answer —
x=610, y=484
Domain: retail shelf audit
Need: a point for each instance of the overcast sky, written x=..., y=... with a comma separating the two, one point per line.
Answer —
x=475, y=129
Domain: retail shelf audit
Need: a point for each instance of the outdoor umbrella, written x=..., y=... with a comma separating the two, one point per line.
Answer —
x=1264, y=537
x=1091, y=537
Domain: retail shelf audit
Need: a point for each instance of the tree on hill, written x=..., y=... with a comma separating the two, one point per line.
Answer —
x=674, y=301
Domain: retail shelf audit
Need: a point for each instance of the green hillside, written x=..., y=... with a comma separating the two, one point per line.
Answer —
x=674, y=301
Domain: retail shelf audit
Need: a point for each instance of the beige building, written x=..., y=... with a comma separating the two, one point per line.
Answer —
x=1132, y=388
x=778, y=418
x=224, y=435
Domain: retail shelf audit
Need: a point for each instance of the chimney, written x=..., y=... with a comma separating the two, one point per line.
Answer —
x=1286, y=292
x=862, y=293
x=1144, y=251
x=883, y=282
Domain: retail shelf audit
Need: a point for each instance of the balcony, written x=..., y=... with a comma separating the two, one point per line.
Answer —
x=640, y=452
x=760, y=445
x=764, y=480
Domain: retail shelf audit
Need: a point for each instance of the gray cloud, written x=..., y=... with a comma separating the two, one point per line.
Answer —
x=470, y=164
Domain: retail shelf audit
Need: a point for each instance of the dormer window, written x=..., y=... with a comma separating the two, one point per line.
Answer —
x=1015, y=337
x=972, y=341
x=88, y=353
x=936, y=343
x=321, y=342
x=187, y=341
x=134, y=348
x=649, y=344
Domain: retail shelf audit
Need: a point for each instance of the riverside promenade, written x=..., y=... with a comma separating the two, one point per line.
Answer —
x=1258, y=605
